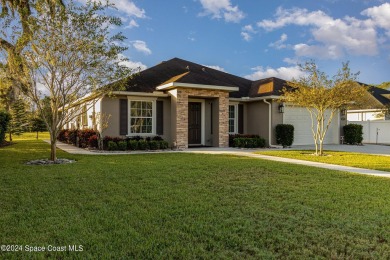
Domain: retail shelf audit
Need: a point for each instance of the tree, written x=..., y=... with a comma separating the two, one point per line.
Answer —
x=384, y=85
x=72, y=56
x=323, y=97
x=37, y=125
x=19, y=119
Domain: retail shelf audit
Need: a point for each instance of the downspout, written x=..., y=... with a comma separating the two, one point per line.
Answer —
x=269, y=122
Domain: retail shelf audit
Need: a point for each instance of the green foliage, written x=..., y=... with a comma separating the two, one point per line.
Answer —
x=19, y=119
x=143, y=145
x=164, y=144
x=234, y=136
x=323, y=97
x=4, y=122
x=122, y=145
x=132, y=144
x=284, y=134
x=353, y=134
x=243, y=142
x=154, y=145
x=37, y=124
x=112, y=146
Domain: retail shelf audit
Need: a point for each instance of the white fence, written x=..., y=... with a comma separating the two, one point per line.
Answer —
x=375, y=131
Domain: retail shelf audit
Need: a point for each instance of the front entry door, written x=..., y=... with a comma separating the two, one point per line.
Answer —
x=194, y=123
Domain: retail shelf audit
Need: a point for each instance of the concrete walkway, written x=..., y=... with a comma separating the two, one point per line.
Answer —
x=233, y=151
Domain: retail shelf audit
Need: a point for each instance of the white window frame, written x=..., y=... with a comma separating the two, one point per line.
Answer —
x=235, y=117
x=154, y=120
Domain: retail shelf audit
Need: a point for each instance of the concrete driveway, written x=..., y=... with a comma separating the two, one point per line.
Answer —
x=366, y=148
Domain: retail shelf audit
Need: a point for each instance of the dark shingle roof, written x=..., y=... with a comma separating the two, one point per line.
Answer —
x=178, y=70
x=149, y=79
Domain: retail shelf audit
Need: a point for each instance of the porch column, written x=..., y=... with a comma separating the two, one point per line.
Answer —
x=182, y=119
x=223, y=132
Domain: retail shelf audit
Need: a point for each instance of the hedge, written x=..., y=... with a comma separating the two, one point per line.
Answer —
x=234, y=136
x=244, y=142
x=353, y=134
x=284, y=134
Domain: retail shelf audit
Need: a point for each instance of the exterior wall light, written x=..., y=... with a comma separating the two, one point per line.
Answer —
x=281, y=108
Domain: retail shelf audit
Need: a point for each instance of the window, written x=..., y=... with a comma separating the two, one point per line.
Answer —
x=142, y=113
x=84, y=116
x=233, y=119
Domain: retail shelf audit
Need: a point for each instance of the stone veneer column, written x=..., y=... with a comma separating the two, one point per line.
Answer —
x=223, y=135
x=182, y=119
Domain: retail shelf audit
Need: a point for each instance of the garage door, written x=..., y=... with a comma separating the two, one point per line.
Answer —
x=300, y=119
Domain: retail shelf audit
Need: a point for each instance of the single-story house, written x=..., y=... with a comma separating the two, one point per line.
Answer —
x=189, y=104
x=378, y=100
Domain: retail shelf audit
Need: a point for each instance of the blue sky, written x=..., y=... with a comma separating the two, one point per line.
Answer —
x=258, y=39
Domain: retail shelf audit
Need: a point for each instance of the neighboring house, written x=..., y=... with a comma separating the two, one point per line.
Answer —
x=373, y=117
x=377, y=101
x=192, y=105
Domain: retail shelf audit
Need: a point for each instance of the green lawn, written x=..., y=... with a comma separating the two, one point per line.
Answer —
x=359, y=160
x=188, y=206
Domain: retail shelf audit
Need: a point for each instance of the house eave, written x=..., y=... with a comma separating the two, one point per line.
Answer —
x=173, y=85
x=140, y=94
x=251, y=99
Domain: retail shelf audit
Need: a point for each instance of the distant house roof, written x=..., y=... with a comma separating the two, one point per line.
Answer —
x=380, y=94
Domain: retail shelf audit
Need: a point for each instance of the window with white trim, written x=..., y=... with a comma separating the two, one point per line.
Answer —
x=142, y=117
x=233, y=113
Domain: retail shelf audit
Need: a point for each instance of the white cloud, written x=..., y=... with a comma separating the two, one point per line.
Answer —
x=135, y=65
x=279, y=44
x=132, y=24
x=333, y=37
x=129, y=8
x=216, y=67
x=222, y=9
x=380, y=15
x=141, y=47
x=247, y=31
x=286, y=73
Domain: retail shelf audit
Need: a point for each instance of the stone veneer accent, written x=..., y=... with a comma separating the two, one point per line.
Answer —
x=182, y=95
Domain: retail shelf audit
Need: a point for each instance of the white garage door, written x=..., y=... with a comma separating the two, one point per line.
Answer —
x=300, y=119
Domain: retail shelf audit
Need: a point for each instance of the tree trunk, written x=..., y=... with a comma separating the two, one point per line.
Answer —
x=53, y=147
x=37, y=135
x=321, y=148
x=10, y=136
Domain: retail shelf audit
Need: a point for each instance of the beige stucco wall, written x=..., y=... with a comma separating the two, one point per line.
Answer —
x=110, y=105
x=256, y=119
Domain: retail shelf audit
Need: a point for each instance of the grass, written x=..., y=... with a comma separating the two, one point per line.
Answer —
x=188, y=206
x=360, y=160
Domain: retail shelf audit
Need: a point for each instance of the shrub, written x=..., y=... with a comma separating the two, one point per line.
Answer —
x=72, y=137
x=84, y=136
x=132, y=144
x=353, y=134
x=154, y=145
x=137, y=138
x=116, y=140
x=93, y=141
x=112, y=146
x=284, y=134
x=63, y=135
x=157, y=138
x=244, y=142
x=122, y=145
x=164, y=144
x=4, y=122
x=234, y=136
x=143, y=145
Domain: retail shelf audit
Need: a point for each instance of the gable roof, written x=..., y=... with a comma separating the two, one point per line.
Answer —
x=178, y=70
x=181, y=71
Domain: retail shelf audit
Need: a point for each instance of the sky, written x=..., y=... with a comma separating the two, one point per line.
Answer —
x=259, y=39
